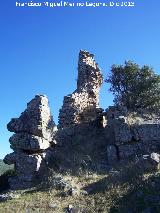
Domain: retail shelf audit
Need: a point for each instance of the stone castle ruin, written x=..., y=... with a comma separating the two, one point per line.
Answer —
x=131, y=134
x=125, y=134
x=83, y=104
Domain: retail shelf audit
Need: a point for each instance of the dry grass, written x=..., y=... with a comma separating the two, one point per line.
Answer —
x=42, y=200
x=123, y=190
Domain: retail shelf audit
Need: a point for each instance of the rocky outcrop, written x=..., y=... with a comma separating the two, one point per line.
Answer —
x=83, y=104
x=132, y=133
x=34, y=134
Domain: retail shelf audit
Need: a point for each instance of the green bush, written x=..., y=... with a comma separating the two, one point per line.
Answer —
x=134, y=86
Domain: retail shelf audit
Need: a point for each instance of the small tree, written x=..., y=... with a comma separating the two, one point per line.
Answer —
x=134, y=86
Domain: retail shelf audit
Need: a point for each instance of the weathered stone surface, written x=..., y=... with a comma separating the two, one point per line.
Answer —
x=30, y=169
x=83, y=104
x=128, y=126
x=10, y=158
x=29, y=142
x=122, y=131
x=127, y=151
x=72, y=209
x=52, y=205
x=146, y=132
x=134, y=134
x=35, y=132
x=112, y=154
x=155, y=157
x=35, y=120
x=29, y=164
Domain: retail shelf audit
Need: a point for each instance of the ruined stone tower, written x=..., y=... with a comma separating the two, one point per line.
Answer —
x=83, y=104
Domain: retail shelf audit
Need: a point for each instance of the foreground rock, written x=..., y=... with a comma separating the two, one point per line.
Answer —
x=9, y=196
x=72, y=209
x=34, y=134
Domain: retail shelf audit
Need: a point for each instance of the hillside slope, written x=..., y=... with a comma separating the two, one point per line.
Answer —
x=126, y=188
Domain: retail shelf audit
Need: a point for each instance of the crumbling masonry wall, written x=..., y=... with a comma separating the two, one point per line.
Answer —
x=131, y=134
x=83, y=104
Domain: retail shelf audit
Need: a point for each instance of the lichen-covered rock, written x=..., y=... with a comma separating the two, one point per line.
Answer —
x=34, y=134
x=122, y=131
x=29, y=168
x=29, y=164
x=155, y=156
x=28, y=142
x=35, y=120
x=134, y=134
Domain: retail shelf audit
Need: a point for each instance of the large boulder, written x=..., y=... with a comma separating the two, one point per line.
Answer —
x=36, y=119
x=34, y=134
x=28, y=142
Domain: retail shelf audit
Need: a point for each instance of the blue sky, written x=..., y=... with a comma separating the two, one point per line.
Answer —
x=39, y=50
